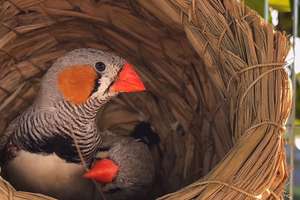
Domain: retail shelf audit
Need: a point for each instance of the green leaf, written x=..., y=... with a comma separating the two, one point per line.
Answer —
x=256, y=5
x=281, y=5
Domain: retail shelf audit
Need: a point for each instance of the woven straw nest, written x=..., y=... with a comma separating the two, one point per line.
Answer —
x=218, y=93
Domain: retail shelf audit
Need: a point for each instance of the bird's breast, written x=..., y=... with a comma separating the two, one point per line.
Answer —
x=47, y=174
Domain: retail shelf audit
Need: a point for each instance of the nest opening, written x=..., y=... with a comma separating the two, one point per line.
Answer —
x=191, y=95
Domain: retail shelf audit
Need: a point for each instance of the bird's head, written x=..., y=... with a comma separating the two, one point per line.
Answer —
x=84, y=74
x=127, y=166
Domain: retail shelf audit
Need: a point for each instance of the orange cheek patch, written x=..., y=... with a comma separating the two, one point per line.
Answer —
x=76, y=83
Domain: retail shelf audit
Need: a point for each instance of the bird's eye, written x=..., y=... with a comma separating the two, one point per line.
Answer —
x=100, y=66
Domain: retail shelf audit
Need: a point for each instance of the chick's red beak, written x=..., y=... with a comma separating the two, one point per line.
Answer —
x=103, y=171
x=128, y=81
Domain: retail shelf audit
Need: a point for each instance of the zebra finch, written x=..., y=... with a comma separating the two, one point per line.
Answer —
x=37, y=148
x=127, y=169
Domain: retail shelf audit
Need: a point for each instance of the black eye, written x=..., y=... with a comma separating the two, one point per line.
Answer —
x=100, y=66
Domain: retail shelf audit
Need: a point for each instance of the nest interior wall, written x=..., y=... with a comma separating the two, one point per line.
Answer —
x=180, y=101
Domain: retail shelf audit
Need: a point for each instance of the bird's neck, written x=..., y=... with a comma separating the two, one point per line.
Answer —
x=91, y=107
x=87, y=110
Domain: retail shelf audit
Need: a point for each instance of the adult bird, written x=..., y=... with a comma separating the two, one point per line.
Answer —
x=38, y=152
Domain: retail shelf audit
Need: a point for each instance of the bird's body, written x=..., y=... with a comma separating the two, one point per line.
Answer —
x=46, y=132
x=136, y=168
x=38, y=151
x=64, y=181
x=136, y=173
x=49, y=174
x=66, y=107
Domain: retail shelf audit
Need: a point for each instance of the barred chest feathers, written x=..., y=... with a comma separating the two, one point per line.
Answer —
x=53, y=132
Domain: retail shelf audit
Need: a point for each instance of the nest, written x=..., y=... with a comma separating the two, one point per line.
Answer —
x=218, y=93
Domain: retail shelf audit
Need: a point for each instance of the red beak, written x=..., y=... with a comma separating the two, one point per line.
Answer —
x=128, y=81
x=103, y=171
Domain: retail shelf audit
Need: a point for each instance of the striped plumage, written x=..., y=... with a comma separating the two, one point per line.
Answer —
x=50, y=131
x=52, y=120
x=43, y=133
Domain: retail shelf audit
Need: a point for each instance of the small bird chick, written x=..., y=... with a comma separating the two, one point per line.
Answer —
x=128, y=163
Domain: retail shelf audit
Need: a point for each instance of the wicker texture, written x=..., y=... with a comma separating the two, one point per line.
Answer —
x=218, y=93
